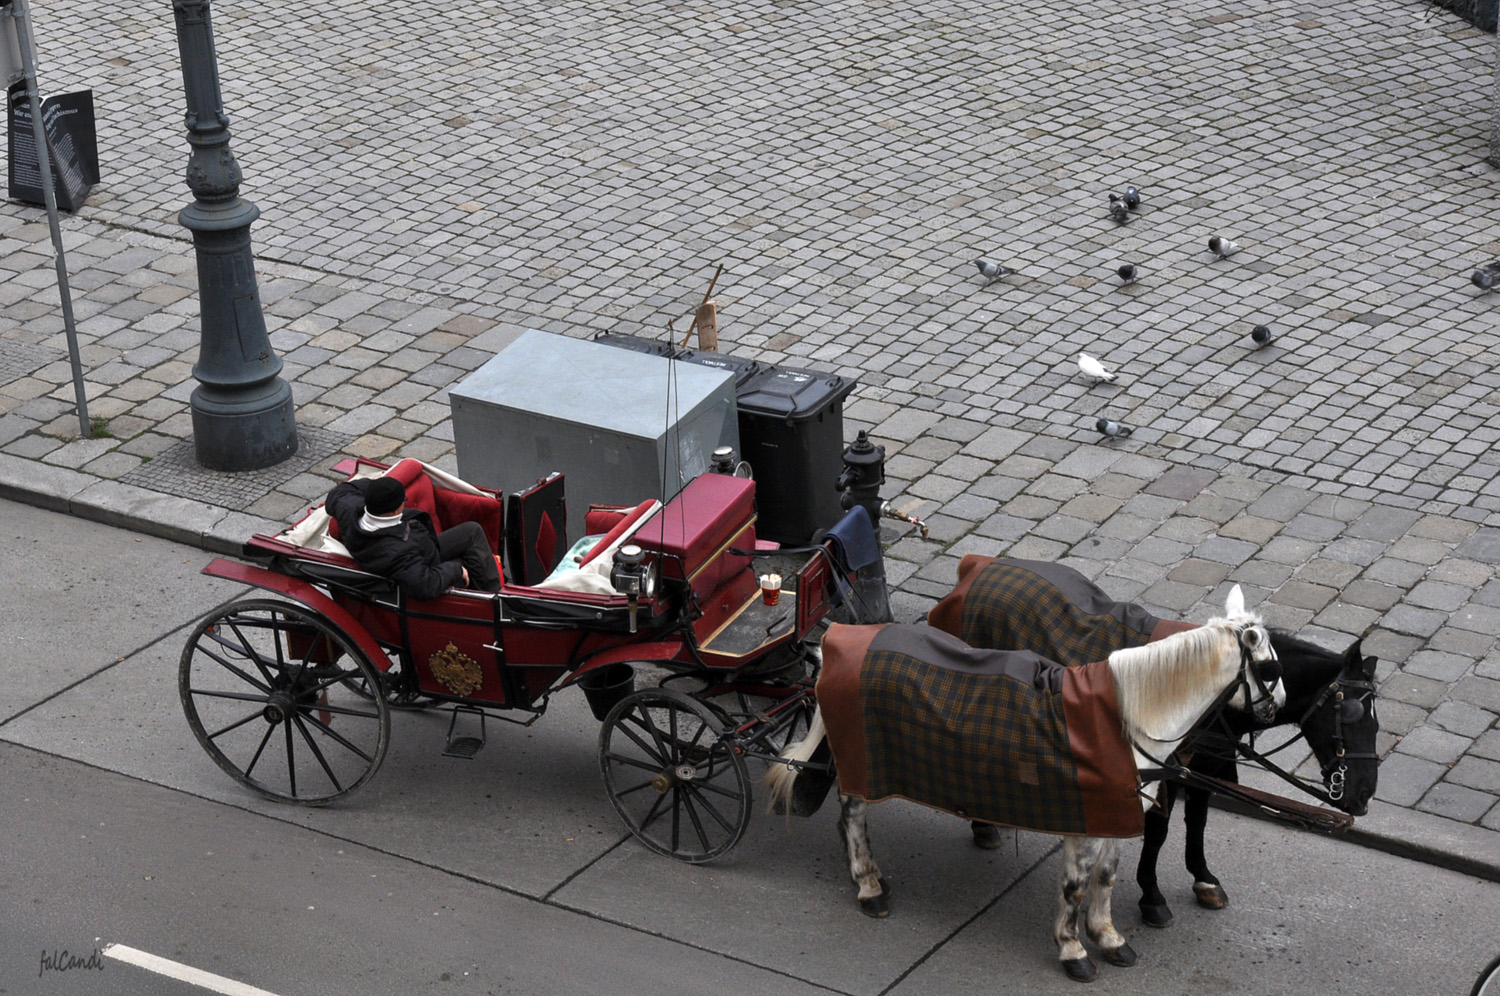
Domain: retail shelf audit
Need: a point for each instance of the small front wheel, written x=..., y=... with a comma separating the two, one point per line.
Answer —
x=279, y=698
x=679, y=786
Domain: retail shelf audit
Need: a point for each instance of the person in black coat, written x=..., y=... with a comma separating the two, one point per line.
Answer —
x=387, y=538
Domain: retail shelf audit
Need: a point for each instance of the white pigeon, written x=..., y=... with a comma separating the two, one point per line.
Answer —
x=1093, y=369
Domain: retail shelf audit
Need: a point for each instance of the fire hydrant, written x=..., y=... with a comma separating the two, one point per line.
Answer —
x=862, y=476
x=860, y=481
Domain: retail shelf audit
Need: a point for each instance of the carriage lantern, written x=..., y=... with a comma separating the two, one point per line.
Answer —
x=632, y=577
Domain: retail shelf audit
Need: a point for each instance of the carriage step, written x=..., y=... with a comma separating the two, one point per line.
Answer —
x=464, y=747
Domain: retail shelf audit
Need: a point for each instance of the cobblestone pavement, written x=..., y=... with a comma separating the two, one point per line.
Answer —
x=432, y=183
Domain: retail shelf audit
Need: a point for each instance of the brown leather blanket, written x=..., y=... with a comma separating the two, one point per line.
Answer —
x=1008, y=604
x=1006, y=737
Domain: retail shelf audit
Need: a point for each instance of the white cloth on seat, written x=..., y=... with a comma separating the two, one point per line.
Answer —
x=593, y=577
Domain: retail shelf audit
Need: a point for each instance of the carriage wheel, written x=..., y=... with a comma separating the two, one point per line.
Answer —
x=279, y=698
x=680, y=788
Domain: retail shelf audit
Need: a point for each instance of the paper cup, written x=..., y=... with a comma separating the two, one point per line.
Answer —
x=770, y=588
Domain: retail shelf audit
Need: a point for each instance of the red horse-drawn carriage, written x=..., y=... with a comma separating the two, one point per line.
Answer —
x=293, y=695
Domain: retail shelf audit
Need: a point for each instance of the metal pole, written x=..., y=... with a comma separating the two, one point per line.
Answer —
x=242, y=409
x=1494, y=156
x=17, y=11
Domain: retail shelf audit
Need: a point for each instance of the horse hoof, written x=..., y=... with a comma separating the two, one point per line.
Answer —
x=986, y=836
x=885, y=887
x=1124, y=956
x=875, y=906
x=1080, y=969
x=1156, y=916
x=1211, y=897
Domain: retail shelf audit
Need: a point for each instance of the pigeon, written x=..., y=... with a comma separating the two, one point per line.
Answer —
x=1118, y=210
x=1132, y=198
x=1126, y=273
x=1094, y=370
x=1112, y=429
x=1222, y=247
x=991, y=270
x=1487, y=276
x=1261, y=335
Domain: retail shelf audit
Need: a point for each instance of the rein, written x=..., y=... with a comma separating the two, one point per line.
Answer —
x=1333, y=771
x=1178, y=771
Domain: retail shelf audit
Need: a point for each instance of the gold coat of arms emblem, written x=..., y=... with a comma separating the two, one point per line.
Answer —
x=456, y=670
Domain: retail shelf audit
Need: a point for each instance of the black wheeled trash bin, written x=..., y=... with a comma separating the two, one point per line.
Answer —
x=792, y=433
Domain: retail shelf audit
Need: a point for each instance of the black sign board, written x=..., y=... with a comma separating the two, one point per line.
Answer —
x=68, y=119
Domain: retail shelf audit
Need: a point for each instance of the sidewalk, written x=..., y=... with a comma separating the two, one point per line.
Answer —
x=1346, y=475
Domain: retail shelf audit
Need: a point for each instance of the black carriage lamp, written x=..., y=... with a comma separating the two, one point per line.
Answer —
x=242, y=409
x=632, y=577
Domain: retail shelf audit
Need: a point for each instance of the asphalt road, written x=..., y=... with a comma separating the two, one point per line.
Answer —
x=511, y=874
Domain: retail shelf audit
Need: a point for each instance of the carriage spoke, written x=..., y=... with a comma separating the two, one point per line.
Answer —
x=235, y=725
x=260, y=750
x=322, y=761
x=692, y=813
x=336, y=736
x=291, y=758
x=657, y=753
x=695, y=791
x=238, y=672
x=631, y=762
x=232, y=696
x=245, y=645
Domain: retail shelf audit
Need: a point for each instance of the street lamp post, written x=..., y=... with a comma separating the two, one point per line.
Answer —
x=242, y=409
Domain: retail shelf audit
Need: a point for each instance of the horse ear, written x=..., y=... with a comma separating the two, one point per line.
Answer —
x=1234, y=605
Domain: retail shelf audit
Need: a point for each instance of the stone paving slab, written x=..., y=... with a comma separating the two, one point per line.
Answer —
x=576, y=168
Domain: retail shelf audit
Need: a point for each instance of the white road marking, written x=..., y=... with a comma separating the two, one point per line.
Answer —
x=180, y=972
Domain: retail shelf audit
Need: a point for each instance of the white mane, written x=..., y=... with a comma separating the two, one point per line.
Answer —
x=1163, y=687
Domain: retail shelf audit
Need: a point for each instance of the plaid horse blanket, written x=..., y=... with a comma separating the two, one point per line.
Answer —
x=1007, y=737
x=1008, y=604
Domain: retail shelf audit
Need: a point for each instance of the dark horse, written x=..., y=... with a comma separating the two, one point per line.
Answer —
x=1058, y=613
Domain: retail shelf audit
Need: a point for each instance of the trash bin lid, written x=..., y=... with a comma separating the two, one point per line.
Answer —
x=793, y=394
x=742, y=369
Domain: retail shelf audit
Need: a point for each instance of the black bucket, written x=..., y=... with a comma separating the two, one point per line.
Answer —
x=606, y=686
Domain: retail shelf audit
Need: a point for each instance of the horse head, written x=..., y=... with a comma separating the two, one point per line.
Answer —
x=1260, y=690
x=1341, y=726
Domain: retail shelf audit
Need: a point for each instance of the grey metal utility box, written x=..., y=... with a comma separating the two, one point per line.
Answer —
x=600, y=414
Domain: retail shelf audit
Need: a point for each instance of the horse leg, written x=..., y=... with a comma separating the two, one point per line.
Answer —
x=854, y=832
x=1206, y=887
x=986, y=835
x=1154, y=909
x=1100, y=916
x=1079, y=857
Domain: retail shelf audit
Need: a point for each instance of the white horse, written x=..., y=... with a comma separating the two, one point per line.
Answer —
x=1163, y=690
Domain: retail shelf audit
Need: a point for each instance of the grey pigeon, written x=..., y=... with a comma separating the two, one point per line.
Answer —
x=1112, y=429
x=1118, y=209
x=1127, y=273
x=1487, y=276
x=1261, y=335
x=1132, y=198
x=1222, y=247
x=991, y=270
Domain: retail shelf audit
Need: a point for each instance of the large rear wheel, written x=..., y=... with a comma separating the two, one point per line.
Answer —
x=677, y=783
x=279, y=698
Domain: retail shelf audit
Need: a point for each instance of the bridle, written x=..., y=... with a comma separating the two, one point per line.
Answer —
x=1248, y=673
x=1351, y=695
x=1263, y=708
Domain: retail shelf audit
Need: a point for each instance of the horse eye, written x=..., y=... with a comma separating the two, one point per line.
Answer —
x=1270, y=671
x=1351, y=710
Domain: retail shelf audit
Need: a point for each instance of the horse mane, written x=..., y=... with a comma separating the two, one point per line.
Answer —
x=1164, y=686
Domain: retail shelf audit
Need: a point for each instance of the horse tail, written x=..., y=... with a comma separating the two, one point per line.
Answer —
x=781, y=778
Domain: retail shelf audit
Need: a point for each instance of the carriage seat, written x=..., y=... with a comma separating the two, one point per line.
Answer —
x=444, y=502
